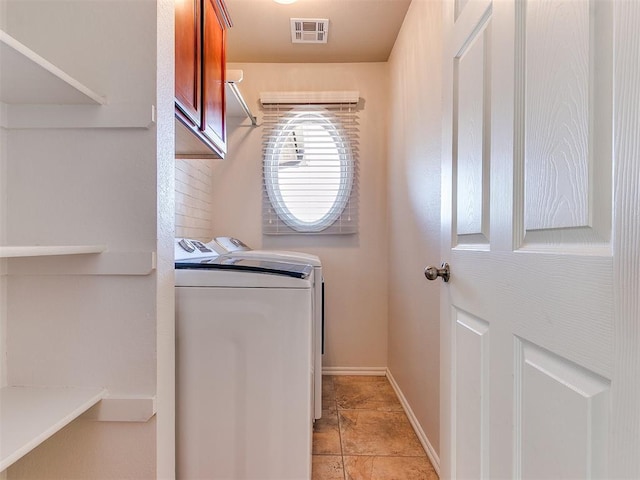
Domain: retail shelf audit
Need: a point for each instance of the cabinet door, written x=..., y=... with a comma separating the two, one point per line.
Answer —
x=213, y=44
x=188, y=64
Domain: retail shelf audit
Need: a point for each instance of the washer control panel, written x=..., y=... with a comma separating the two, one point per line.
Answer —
x=188, y=248
x=191, y=246
x=231, y=244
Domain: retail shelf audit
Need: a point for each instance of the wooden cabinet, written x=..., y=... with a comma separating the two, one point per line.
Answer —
x=213, y=73
x=200, y=72
x=188, y=63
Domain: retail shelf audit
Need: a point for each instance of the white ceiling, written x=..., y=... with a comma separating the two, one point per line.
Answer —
x=359, y=30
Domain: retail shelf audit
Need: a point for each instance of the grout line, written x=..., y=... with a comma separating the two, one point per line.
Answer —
x=335, y=401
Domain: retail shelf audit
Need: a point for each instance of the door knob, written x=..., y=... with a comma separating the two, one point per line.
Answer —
x=433, y=272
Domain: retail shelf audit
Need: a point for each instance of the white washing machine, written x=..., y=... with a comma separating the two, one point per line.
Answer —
x=243, y=363
x=227, y=245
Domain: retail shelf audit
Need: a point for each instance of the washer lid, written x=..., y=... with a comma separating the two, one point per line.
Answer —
x=281, y=256
x=227, y=262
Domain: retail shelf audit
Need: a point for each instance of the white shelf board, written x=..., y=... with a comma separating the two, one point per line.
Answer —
x=107, y=263
x=127, y=408
x=237, y=105
x=30, y=415
x=78, y=116
x=46, y=250
x=27, y=78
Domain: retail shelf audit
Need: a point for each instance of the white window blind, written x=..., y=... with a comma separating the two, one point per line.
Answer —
x=310, y=167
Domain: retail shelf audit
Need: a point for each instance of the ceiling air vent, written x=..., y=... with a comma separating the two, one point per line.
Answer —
x=309, y=30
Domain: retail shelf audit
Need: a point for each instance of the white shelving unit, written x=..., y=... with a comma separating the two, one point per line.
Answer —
x=85, y=288
x=26, y=78
x=30, y=415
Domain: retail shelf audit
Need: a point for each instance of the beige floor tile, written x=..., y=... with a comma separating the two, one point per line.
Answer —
x=326, y=434
x=327, y=467
x=328, y=393
x=388, y=468
x=327, y=381
x=365, y=432
x=366, y=393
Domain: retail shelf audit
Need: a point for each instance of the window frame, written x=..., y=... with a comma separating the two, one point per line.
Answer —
x=344, y=105
x=280, y=139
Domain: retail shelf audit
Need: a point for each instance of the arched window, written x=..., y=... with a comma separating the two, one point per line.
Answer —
x=310, y=171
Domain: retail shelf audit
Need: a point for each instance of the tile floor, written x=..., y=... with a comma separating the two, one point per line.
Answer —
x=364, y=434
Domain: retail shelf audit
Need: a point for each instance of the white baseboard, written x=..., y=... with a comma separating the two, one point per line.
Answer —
x=428, y=448
x=378, y=371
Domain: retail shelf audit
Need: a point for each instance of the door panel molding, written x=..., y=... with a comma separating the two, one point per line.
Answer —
x=471, y=355
x=471, y=136
x=561, y=416
x=563, y=126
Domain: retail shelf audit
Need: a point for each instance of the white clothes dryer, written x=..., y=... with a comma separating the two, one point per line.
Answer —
x=231, y=245
x=243, y=362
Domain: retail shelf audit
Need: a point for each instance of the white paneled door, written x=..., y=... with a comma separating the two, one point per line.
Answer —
x=540, y=350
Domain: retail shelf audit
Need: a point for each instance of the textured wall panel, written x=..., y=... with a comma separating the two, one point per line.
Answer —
x=193, y=199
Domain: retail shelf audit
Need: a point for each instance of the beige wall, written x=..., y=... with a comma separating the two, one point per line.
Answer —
x=355, y=266
x=414, y=211
x=128, y=448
